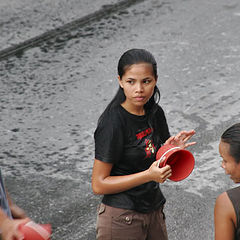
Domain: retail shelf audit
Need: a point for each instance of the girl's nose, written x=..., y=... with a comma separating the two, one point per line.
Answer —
x=139, y=87
x=223, y=165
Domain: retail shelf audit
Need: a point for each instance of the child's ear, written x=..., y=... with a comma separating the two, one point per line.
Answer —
x=120, y=81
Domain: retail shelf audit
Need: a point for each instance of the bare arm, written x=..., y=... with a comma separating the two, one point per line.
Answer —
x=103, y=183
x=17, y=212
x=224, y=218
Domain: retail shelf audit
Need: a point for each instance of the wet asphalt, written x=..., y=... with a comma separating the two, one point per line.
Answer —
x=52, y=93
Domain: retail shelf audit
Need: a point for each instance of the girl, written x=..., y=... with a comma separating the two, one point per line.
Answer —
x=129, y=132
x=227, y=206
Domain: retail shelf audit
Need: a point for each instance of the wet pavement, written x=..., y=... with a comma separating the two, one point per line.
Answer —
x=27, y=19
x=53, y=93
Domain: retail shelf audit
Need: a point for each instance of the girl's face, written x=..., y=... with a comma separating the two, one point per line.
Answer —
x=228, y=163
x=138, y=84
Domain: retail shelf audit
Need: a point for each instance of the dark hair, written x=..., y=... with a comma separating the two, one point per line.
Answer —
x=134, y=56
x=232, y=137
x=130, y=57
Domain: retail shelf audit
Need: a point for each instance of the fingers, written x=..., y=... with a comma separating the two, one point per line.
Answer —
x=182, y=136
x=159, y=174
x=185, y=135
x=14, y=233
x=181, y=139
x=19, y=236
x=163, y=169
x=188, y=135
x=166, y=172
x=190, y=144
x=166, y=168
x=168, y=175
x=169, y=140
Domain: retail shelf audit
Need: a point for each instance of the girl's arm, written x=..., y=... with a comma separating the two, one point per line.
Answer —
x=103, y=183
x=17, y=212
x=224, y=218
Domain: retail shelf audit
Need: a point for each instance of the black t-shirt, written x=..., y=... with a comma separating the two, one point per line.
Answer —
x=126, y=141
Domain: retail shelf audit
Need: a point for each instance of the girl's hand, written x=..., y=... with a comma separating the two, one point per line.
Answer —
x=10, y=229
x=159, y=175
x=180, y=140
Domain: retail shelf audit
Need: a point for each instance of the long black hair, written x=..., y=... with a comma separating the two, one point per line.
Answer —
x=232, y=137
x=130, y=57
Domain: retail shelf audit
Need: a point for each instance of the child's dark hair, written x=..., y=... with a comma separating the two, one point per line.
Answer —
x=130, y=57
x=232, y=137
x=134, y=56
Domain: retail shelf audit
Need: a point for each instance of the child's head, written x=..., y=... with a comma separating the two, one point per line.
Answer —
x=229, y=149
x=134, y=56
x=129, y=58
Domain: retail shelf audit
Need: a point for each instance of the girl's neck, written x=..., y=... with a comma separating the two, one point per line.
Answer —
x=133, y=109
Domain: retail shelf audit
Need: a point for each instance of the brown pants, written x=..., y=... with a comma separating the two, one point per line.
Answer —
x=122, y=224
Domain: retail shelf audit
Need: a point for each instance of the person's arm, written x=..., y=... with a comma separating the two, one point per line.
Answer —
x=224, y=218
x=9, y=227
x=17, y=212
x=103, y=183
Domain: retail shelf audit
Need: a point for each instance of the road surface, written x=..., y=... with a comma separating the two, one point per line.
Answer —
x=53, y=93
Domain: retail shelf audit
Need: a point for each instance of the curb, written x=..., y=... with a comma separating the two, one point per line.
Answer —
x=32, y=42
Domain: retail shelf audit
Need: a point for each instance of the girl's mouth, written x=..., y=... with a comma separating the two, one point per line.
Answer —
x=139, y=99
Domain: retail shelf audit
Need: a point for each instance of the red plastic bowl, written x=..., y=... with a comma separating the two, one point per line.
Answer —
x=34, y=231
x=181, y=161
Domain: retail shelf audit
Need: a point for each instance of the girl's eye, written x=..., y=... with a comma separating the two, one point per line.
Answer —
x=130, y=82
x=147, y=81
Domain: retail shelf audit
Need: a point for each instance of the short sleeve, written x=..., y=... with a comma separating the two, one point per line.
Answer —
x=109, y=140
x=162, y=122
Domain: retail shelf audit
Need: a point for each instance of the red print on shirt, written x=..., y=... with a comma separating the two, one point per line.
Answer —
x=144, y=133
x=149, y=146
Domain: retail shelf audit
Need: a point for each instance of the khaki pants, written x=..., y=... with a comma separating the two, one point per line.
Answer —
x=122, y=224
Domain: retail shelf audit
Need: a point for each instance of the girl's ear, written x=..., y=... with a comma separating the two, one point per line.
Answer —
x=120, y=81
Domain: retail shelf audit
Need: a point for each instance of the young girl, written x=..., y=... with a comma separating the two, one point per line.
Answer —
x=130, y=131
x=227, y=206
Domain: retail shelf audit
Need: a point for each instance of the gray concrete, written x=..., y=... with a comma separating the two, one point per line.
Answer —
x=26, y=19
x=52, y=94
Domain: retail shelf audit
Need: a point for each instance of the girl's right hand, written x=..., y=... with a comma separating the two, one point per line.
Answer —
x=158, y=174
x=10, y=229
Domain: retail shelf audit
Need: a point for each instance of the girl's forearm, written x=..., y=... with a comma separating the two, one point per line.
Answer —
x=116, y=184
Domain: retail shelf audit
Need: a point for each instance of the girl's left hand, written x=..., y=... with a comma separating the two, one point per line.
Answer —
x=180, y=140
